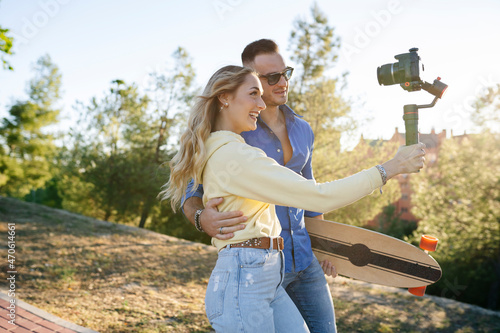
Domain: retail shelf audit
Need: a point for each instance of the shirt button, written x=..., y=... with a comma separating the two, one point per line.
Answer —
x=279, y=150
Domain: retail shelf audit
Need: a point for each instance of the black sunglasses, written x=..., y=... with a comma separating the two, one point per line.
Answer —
x=274, y=78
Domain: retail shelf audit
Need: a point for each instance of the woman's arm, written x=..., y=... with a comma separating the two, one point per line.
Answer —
x=242, y=170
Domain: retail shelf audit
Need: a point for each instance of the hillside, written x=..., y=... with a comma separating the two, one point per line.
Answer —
x=115, y=278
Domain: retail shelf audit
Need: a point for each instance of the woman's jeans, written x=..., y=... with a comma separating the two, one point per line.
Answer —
x=244, y=293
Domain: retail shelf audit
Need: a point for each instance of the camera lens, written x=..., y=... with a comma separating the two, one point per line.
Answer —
x=385, y=75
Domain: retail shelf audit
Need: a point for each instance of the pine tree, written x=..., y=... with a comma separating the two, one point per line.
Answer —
x=27, y=149
x=319, y=98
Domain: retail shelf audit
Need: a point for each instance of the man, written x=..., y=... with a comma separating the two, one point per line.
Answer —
x=288, y=139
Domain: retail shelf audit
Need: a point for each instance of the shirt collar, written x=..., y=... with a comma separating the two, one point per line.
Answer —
x=287, y=111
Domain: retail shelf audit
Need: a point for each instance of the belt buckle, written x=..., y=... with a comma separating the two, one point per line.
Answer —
x=279, y=243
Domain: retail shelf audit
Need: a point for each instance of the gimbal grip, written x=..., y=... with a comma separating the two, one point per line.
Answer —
x=411, y=123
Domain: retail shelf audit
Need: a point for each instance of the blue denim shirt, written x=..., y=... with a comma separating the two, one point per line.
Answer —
x=298, y=253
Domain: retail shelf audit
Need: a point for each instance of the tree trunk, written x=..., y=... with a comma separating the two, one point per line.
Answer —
x=145, y=212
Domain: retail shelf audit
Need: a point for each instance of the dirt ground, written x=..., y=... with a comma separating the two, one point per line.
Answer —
x=114, y=278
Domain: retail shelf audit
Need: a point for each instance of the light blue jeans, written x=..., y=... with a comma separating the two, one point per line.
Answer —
x=310, y=292
x=244, y=294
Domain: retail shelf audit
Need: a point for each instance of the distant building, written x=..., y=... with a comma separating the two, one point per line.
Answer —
x=433, y=143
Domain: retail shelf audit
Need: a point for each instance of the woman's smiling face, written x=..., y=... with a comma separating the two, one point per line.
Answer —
x=244, y=106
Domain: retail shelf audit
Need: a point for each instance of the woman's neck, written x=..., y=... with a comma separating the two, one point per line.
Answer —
x=221, y=125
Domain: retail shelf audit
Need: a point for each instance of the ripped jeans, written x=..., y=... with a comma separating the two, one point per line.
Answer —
x=244, y=294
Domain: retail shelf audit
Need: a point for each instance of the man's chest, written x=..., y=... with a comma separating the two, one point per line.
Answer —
x=290, y=146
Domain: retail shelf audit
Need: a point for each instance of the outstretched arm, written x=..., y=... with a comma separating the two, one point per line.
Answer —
x=247, y=172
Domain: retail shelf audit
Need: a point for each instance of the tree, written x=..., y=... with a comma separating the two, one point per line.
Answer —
x=121, y=145
x=110, y=139
x=319, y=99
x=314, y=47
x=27, y=149
x=458, y=201
x=172, y=92
x=365, y=155
x=486, y=115
x=6, y=43
x=390, y=223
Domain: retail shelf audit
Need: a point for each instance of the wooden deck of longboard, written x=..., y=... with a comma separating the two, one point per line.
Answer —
x=371, y=256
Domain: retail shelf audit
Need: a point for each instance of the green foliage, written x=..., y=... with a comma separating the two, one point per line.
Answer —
x=5, y=47
x=110, y=143
x=116, y=165
x=458, y=201
x=48, y=195
x=27, y=150
x=314, y=50
x=363, y=156
x=390, y=223
x=319, y=99
x=486, y=115
x=171, y=92
x=165, y=222
x=314, y=46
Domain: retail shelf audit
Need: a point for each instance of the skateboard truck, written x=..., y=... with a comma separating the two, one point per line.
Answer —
x=428, y=244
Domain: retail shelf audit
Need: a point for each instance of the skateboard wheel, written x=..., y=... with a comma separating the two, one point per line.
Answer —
x=418, y=291
x=428, y=243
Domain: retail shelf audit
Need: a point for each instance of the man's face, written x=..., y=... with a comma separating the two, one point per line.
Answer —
x=277, y=94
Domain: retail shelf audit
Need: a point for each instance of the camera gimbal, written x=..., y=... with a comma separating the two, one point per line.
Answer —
x=406, y=73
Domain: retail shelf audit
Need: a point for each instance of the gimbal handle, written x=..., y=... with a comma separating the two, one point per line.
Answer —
x=411, y=120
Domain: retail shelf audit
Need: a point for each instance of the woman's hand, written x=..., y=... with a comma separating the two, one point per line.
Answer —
x=408, y=159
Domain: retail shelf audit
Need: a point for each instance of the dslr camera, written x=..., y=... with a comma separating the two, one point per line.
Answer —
x=406, y=72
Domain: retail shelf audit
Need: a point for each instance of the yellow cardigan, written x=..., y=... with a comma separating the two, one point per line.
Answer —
x=253, y=183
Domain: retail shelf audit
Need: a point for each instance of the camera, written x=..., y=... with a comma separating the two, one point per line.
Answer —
x=406, y=72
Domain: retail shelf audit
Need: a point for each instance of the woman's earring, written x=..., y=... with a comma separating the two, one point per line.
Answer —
x=222, y=107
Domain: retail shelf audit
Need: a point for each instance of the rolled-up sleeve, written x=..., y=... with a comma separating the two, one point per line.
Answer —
x=191, y=192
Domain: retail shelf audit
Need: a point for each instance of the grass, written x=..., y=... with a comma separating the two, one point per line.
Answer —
x=114, y=278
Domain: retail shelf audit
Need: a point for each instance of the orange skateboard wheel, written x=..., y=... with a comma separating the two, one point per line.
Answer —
x=417, y=291
x=428, y=243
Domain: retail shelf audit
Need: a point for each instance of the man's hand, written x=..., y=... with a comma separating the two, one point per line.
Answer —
x=211, y=221
x=328, y=268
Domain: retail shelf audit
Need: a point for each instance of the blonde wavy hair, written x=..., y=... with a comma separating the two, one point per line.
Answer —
x=189, y=160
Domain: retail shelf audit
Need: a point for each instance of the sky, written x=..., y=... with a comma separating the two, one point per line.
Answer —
x=94, y=42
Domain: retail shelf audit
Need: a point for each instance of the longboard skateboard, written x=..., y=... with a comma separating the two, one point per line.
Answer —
x=374, y=257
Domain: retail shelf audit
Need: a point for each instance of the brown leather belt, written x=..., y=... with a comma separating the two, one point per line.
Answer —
x=261, y=243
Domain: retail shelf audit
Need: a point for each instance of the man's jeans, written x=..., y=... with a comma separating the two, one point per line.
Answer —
x=310, y=292
x=244, y=294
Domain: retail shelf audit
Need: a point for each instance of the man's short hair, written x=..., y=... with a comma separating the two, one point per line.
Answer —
x=261, y=46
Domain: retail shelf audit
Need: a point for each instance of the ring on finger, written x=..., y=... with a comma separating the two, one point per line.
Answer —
x=220, y=231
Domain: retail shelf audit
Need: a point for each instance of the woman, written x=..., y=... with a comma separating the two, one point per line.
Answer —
x=244, y=292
